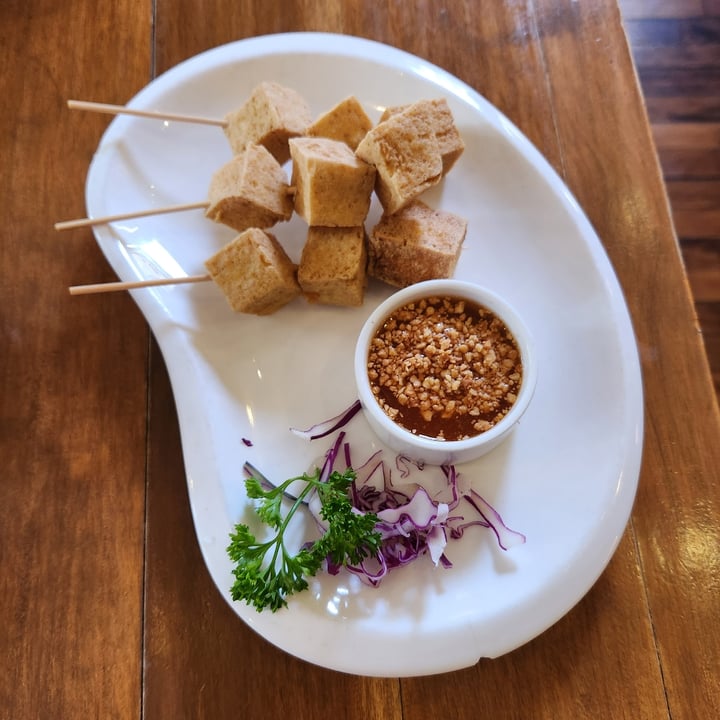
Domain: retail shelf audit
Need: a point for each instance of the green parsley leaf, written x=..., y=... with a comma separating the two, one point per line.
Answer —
x=266, y=572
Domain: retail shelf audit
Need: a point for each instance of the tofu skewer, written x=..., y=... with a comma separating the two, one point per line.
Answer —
x=337, y=162
x=251, y=190
x=253, y=272
x=270, y=116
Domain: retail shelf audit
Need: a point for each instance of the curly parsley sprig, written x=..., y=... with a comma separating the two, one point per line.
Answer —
x=266, y=572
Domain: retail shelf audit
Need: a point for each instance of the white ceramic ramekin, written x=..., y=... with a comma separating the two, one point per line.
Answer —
x=429, y=450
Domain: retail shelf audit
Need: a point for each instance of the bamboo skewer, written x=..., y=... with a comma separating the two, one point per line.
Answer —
x=134, y=284
x=84, y=222
x=97, y=288
x=122, y=110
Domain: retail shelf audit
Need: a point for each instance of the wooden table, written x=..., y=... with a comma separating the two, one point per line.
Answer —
x=107, y=608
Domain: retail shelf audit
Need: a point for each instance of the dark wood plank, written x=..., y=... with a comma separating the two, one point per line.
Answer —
x=72, y=418
x=679, y=81
x=669, y=347
x=674, y=45
x=681, y=109
x=709, y=319
x=695, y=57
x=690, y=164
x=696, y=30
x=637, y=9
x=677, y=51
x=686, y=136
x=696, y=209
x=694, y=224
x=702, y=261
x=690, y=152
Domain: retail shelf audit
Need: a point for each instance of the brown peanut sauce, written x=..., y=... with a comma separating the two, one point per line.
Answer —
x=445, y=368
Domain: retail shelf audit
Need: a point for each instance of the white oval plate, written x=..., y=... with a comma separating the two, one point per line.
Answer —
x=566, y=478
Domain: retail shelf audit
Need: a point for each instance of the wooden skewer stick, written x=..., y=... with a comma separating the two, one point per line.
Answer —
x=122, y=110
x=132, y=285
x=84, y=222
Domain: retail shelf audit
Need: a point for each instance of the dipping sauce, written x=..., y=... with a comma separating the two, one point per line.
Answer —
x=445, y=368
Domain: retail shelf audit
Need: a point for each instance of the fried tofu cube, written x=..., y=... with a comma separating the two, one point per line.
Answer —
x=406, y=155
x=438, y=114
x=347, y=122
x=333, y=187
x=333, y=266
x=270, y=116
x=417, y=243
x=250, y=191
x=254, y=273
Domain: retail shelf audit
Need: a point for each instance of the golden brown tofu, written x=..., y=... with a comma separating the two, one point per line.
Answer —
x=271, y=115
x=347, y=122
x=254, y=273
x=250, y=191
x=439, y=115
x=333, y=187
x=406, y=155
x=333, y=266
x=417, y=243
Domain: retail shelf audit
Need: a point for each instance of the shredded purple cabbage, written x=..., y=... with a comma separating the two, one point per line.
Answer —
x=329, y=426
x=411, y=525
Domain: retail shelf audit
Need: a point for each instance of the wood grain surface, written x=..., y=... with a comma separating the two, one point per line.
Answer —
x=107, y=608
x=676, y=46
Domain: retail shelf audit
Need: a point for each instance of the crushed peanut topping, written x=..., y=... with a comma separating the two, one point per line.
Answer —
x=445, y=368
